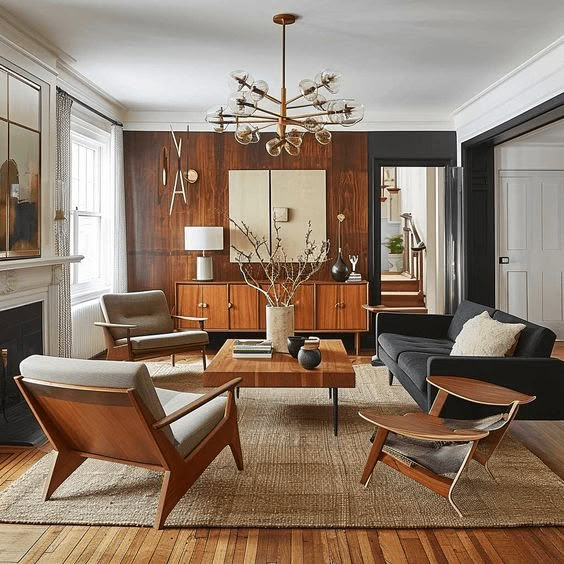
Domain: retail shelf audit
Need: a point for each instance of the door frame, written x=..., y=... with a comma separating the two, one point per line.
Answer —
x=375, y=213
x=479, y=188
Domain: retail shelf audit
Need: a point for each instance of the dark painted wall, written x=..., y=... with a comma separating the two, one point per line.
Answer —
x=400, y=148
x=479, y=180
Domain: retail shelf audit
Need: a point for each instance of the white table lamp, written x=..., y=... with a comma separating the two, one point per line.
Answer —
x=203, y=239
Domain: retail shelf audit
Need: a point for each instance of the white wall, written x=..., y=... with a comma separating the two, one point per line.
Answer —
x=413, y=184
x=542, y=149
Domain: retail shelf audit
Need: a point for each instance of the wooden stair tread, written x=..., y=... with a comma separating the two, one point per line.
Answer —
x=399, y=293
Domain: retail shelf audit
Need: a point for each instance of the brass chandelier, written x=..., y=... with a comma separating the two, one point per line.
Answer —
x=309, y=111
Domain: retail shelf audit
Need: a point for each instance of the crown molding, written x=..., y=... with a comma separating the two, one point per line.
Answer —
x=30, y=43
x=535, y=81
x=146, y=120
x=76, y=84
x=510, y=74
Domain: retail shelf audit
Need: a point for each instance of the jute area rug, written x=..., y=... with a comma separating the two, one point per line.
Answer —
x=297, y=474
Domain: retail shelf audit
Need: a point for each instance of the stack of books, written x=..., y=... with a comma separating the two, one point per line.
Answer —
x=252, y=348
x=354, y=277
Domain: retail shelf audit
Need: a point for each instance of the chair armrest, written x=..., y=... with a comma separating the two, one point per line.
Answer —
x=478, y=391
x=413, y=324
x=114, y=325
x=200, y=320
x=195, y=404
x=540, y=377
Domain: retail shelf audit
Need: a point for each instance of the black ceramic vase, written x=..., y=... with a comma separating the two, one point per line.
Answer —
x=295, y=343
x=340, y=271
x=309, y=358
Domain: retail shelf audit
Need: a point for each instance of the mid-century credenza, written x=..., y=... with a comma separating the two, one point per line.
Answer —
x=319, y=306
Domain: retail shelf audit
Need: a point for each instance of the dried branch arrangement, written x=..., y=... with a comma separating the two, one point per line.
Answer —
x=269, y=263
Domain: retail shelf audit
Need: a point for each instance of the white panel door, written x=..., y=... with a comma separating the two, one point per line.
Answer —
x=531, y=246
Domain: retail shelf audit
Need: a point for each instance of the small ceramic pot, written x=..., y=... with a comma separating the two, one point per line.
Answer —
x=309, y=358
x=295, y=343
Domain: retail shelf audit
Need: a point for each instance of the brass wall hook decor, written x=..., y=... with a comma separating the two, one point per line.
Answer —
x=164, y=166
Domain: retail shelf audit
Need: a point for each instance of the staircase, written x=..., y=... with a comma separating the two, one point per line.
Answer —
x=405, y=291
x=401, y=293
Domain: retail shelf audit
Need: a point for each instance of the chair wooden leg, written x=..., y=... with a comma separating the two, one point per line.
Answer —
x=375, y=451
x=204, y=357
x=390, y=378
x=175, y=485
x=173, y=359
x=63, y=466
x=235, y=446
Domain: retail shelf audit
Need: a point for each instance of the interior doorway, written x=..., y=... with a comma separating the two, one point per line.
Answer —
x=530, y=227
x=412, y=229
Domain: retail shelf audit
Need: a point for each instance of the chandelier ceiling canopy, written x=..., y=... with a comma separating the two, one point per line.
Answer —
x=251, y=108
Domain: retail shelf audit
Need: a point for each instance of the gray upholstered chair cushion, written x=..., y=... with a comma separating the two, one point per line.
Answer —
x=465, y=311
x=189, y=430
x=177, y=339
x=148, y=310
x=102, y=373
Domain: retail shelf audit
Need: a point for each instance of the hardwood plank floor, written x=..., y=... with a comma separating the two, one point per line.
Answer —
x=69, y=544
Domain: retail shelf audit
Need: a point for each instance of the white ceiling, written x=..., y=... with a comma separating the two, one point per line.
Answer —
x=415, y=57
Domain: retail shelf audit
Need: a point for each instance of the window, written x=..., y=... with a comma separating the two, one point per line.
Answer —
x=90, y=211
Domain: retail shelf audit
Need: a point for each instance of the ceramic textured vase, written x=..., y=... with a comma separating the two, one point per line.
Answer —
x=295, y=343
x=309, y=358
x=279, y=326
x=340, y=271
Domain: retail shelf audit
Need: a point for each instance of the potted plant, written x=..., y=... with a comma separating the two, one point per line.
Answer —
x=267, y=268
x=395, y=248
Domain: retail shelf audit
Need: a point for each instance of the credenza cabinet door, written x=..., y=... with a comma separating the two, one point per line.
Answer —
x=214, y=305
x=243, y=307
x=187, y=300
x=351, y=314
x=339, y=307
x=303, y=308
x=327, y=306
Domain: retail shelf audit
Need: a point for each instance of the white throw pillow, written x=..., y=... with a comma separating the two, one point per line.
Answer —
x=484, y=336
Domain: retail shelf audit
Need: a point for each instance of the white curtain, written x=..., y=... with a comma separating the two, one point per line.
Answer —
x=62, y=223
x=120, y=249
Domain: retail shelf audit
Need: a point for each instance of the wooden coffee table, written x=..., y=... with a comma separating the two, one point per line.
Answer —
x=283, y=371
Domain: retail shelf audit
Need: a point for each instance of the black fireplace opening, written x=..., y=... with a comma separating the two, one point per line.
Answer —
x=21, y=335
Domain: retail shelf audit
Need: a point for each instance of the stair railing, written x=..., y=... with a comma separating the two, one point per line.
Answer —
x=413, y=247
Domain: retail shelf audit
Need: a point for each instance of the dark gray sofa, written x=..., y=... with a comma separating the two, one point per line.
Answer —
x=414, y=346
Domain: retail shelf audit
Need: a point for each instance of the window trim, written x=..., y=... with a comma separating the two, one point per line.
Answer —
x=93, y=137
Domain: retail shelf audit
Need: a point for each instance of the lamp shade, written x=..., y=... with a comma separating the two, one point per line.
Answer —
x=203, y=238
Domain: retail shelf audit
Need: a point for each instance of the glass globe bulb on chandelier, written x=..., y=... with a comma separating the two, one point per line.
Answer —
x=250, y=107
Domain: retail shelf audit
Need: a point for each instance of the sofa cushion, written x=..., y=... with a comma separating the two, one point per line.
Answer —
x=414, y=364
x=395, y=344
x=465, y=311
x=534, y=340
x=191, y=429
x=177, y=339
x=484, y=336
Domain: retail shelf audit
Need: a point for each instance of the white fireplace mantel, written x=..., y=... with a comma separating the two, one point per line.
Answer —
x=39, y=261
x=24, y=281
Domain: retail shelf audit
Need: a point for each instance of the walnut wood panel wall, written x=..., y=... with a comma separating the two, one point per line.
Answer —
x=155, y=240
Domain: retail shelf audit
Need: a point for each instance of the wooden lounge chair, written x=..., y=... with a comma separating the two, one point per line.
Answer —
x=138, y=325
x=435, y=451
x=111, y=411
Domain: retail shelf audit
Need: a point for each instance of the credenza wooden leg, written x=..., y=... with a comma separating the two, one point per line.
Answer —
x=357, y=343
